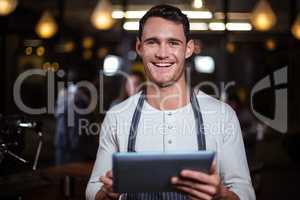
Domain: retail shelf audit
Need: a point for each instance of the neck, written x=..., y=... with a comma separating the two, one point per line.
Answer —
x=168, y=98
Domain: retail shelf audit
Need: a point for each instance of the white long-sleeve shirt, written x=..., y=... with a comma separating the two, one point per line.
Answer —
x=174, y=130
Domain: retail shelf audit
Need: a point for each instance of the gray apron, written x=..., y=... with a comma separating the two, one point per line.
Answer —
x=131, y=148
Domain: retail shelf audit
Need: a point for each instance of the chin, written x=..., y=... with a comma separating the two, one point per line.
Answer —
x=165, y=84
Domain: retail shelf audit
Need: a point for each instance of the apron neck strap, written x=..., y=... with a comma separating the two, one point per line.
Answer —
x=137, y=115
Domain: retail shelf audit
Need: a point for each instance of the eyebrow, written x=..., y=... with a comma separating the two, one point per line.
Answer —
x=175, y=40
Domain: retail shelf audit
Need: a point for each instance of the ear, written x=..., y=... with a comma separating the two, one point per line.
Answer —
x=190, y=46
x=138, y=46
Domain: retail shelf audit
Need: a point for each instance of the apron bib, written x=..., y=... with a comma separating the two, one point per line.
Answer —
x=131, y=148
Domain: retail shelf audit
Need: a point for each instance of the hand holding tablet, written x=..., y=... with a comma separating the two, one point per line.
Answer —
x=152, y=172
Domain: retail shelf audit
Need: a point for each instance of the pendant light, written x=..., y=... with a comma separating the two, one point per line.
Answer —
x=46, y=26
x=296, y=28
x=102, y=15
x=263, y=17
x=7, y=6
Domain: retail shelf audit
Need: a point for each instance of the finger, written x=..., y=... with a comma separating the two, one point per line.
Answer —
x=200, y=177
x=109, y=174
x=109, y=194
x=194, y=193
x=113, y=195
x=208, y=189
x=106, y=181
x=192, y=198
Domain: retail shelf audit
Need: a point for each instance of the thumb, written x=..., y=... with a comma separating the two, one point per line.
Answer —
x=109, y=174
x=213, y=168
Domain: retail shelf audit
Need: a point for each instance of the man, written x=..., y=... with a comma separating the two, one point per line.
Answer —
x=167, y=116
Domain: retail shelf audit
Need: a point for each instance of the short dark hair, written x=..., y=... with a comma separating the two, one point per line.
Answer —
x=169, y=13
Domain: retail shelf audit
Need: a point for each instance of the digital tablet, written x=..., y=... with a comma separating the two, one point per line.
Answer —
x=152, y=172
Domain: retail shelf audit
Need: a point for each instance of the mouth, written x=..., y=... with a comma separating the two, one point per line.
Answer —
x=162, y=64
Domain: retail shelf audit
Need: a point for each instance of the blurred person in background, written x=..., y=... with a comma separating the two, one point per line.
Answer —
x=72, y=142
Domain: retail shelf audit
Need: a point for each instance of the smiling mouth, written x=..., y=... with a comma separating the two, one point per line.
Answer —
x=157, y=64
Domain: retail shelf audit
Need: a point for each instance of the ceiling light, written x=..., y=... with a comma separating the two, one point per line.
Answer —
x=197, y=3
x=7, y=6
x=198, y=14
x=102, y=15
x=263, y=17
x=239, y=26
x=131, y=26
x=296, y=28
x=198, y=26
x=117, y=14
x=46, y=26
x=135, y=14
x=216, y=26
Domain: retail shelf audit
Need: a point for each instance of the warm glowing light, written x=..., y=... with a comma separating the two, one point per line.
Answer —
x=46, y=27
x=296, y=28
x=197, y=3
x=46, y=66
x=102, y=52
x=68, y=46
x=102, y=15
x=230, y=47
x=87, y=42
x=270, y=44
x=55, y=66
x=263, y=17
x=7, y=6
x=40, y=51
x=28, y=51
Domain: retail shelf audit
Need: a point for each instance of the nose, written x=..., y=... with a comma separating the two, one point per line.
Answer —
x=162, y=52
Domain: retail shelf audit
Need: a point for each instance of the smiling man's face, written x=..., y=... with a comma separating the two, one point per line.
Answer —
x=163, y=49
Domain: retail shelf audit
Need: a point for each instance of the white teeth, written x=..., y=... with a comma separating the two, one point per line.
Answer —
x=163, y=64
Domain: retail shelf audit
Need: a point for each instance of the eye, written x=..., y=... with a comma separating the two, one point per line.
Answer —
x=150, y=42
x=174, y=43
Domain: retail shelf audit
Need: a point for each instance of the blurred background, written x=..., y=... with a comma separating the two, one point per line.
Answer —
x=48, y=46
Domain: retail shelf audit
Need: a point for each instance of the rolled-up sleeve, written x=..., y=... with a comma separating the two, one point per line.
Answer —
x=233, y=164
x=107, y=146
